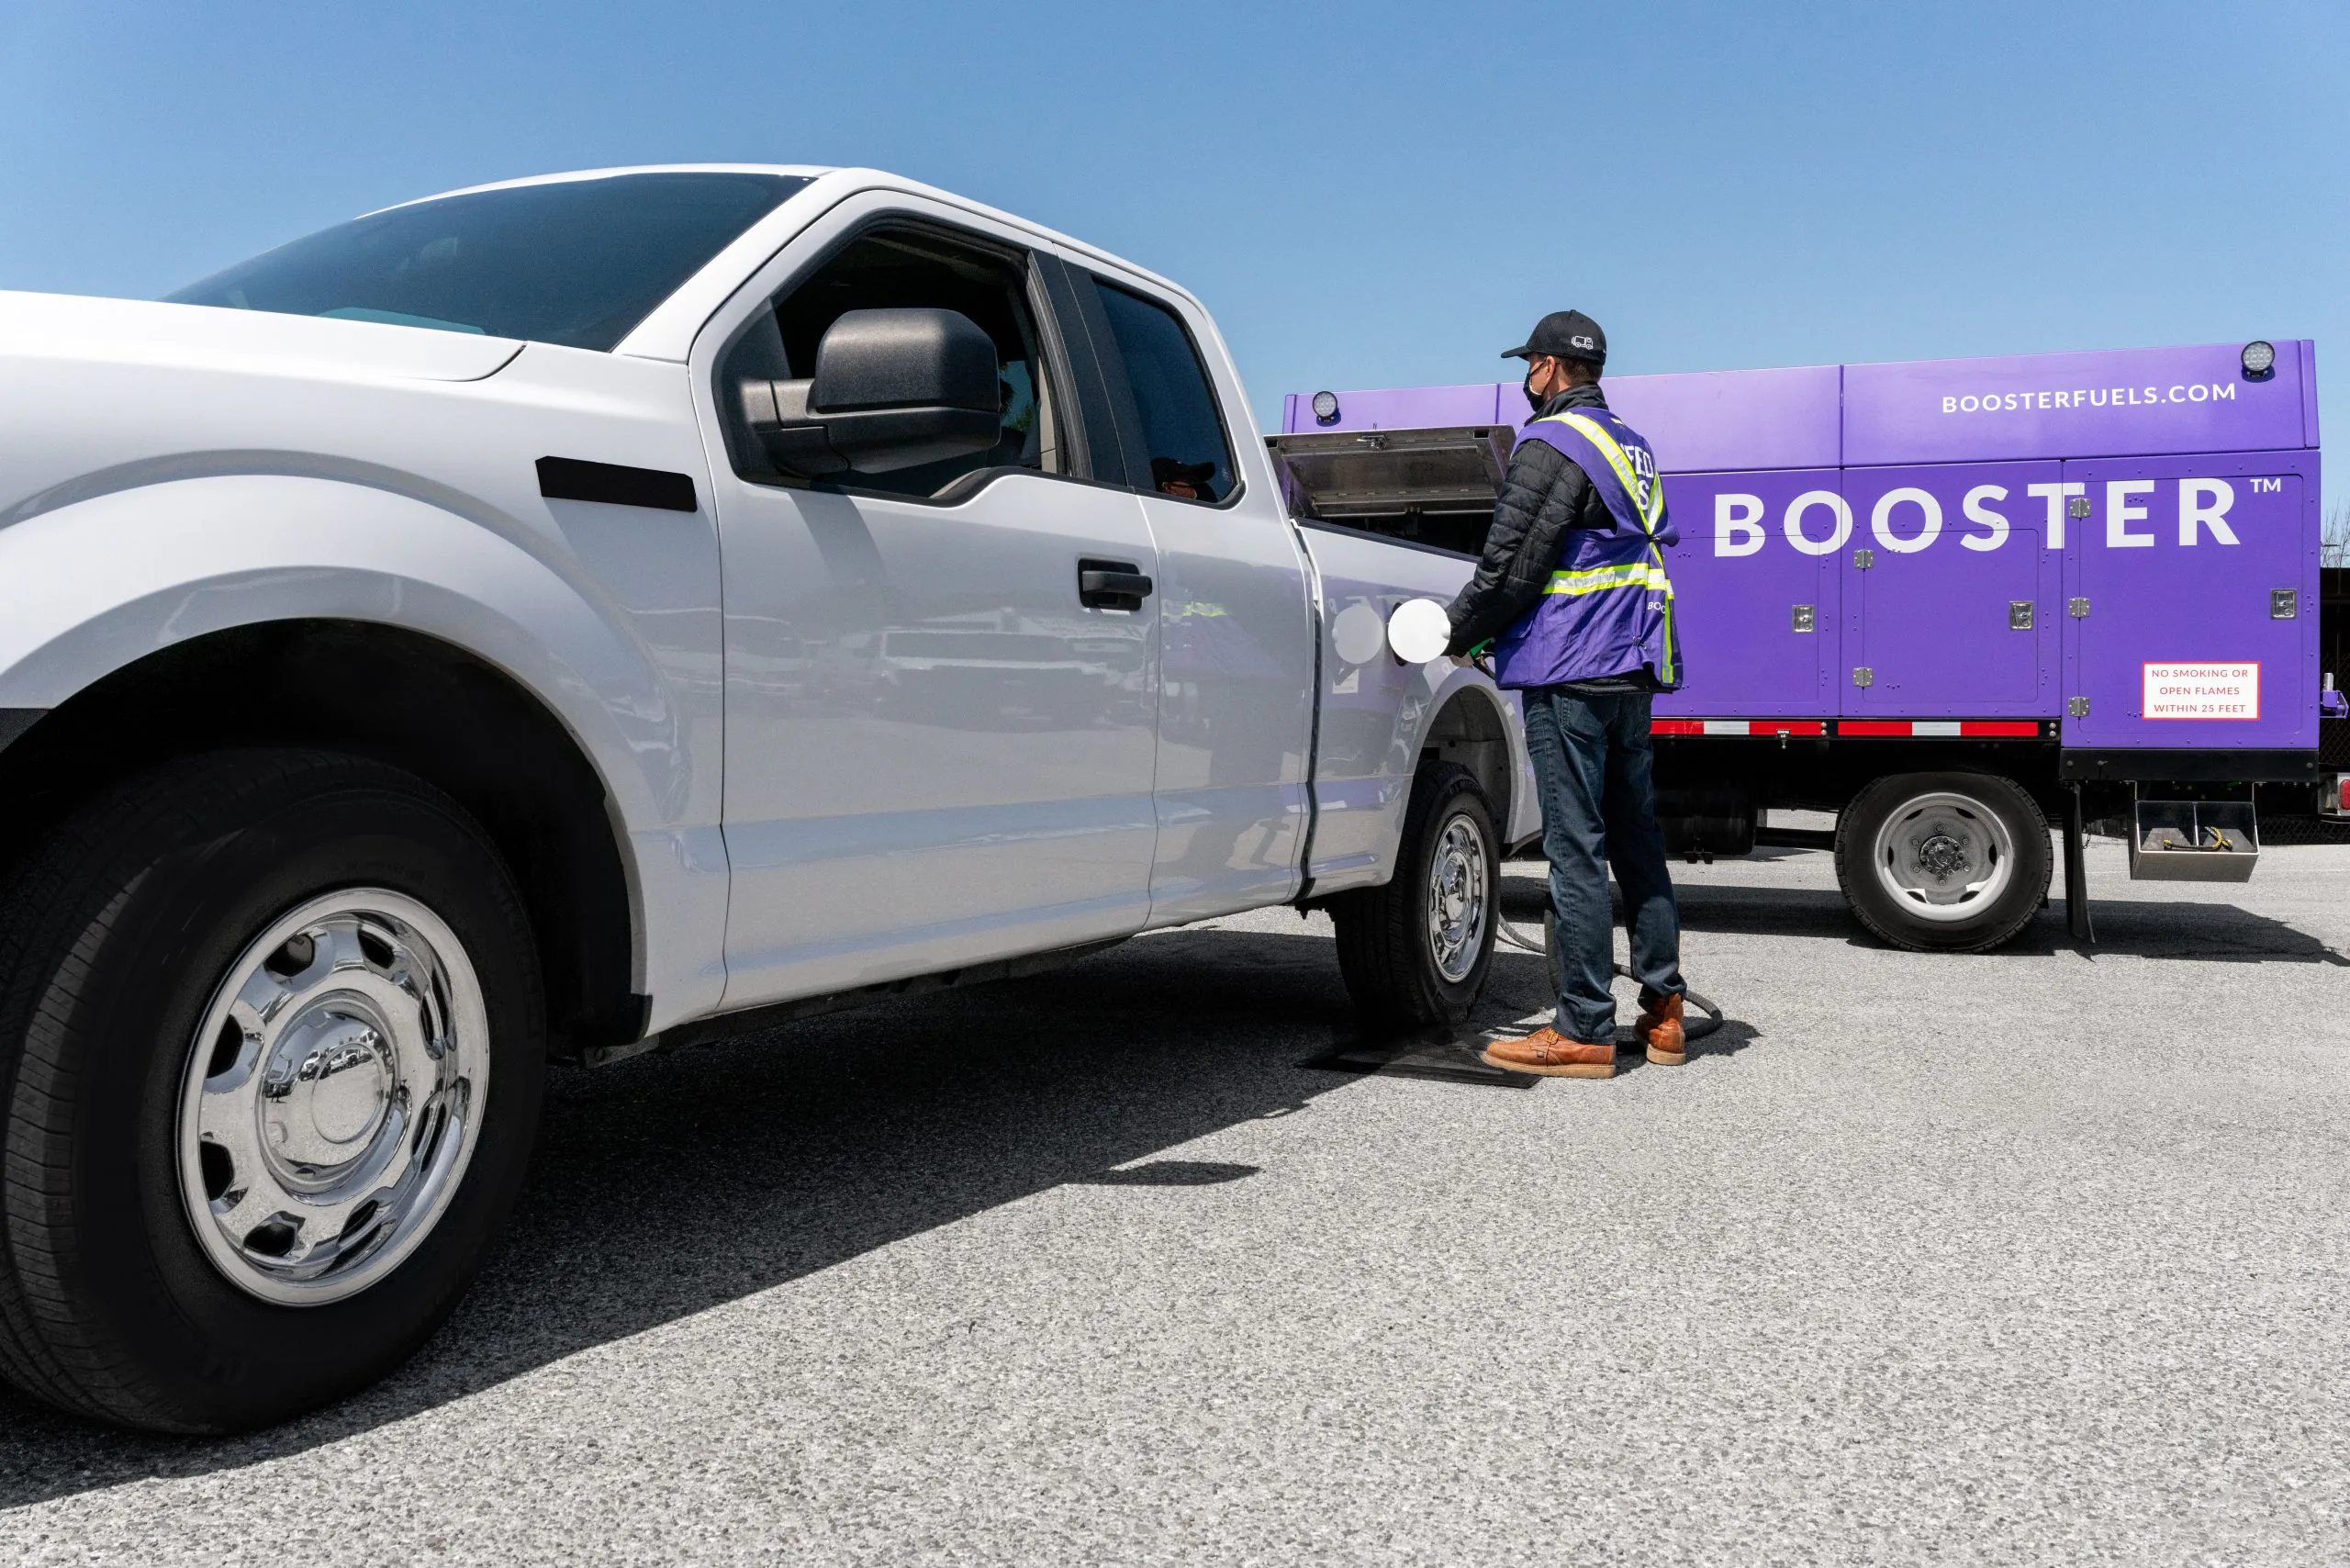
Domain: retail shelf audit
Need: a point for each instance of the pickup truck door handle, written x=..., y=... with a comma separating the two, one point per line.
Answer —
x=1111, y=584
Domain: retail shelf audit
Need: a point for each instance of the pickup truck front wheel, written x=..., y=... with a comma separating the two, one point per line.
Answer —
x=1414, y=952
x=270, y=1049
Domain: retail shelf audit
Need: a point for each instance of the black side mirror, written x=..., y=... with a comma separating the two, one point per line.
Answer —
x=893, y=388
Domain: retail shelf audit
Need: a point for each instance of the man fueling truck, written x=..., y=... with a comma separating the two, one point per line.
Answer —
x=600, y=612
x=1950, y=601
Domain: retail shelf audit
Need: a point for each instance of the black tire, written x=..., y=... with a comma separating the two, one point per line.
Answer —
x=1385, y=948
x=1984, y=819
x=115, y=938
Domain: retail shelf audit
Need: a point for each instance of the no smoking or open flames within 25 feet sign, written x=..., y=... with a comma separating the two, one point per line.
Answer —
x=2203, y=691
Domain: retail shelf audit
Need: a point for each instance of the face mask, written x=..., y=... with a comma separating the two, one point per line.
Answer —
x=1533, y=398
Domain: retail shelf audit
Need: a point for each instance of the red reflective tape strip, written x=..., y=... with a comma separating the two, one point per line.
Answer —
x=1737, y=726
x=1973, y=729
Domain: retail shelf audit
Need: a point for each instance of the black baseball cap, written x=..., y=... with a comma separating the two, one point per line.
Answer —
x=1564, y=334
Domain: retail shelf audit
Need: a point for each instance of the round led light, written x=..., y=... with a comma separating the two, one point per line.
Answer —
x=2259, y=358
x=1325, y=407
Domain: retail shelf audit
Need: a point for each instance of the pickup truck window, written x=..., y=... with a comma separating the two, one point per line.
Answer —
x=577, y=262
x=1183, y=428
x=926, y=267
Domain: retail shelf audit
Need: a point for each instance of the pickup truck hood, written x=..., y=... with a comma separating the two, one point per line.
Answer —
x=141, y=331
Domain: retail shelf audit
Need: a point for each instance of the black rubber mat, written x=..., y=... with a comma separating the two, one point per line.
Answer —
x=1447, y=1057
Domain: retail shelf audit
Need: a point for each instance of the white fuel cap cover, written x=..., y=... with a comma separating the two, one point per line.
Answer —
x=1418, y=630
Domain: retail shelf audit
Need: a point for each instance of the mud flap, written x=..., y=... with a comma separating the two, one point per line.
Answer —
x=2077, y=891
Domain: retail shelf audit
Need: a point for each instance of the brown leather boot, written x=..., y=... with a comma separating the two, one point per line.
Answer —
x=1660, y=1026
x=1552, y=1054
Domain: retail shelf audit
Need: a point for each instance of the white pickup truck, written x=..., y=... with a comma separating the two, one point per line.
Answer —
x=559, y=616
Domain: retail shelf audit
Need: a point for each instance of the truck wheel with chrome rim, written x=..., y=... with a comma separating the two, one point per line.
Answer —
x=1414, y=952
x=1947, y=862
x=271, y=1044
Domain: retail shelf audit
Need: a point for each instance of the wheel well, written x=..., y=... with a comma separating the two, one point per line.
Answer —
x=1470, y=732
x=403, y=699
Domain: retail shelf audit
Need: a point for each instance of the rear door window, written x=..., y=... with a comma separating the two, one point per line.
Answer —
x=1177, y=420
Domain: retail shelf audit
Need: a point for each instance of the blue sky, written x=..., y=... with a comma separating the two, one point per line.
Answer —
x=1371, y=194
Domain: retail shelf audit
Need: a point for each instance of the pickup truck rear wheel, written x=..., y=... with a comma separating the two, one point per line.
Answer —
x=270, y=1050
x=1414, y=952
x=1943, y=862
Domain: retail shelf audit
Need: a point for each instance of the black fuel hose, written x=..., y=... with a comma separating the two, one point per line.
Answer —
x=1692, y=1028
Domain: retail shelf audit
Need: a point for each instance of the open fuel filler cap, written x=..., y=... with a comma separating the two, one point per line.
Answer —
x=1418, y=630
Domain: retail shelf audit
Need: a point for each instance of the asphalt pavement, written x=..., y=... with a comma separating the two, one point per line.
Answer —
x=2038, y=1256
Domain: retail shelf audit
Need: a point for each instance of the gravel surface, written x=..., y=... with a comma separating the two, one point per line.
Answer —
x=2032, y=1258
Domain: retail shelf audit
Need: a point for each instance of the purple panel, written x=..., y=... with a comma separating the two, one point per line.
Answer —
x=1952, y=549
x=2189, y=608
x=1400, y=408
x=2122, y=403
x=1736, y=584
x=1733, y=420
x=2308, y=391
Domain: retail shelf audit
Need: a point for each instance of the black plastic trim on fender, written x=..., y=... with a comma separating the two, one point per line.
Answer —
x=2215, y=766
x=15, y=721
x=615, y=485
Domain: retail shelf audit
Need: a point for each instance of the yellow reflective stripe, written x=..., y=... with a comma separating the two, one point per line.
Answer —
x=1596, y=579
x=1652, y=500
x=1651, y=504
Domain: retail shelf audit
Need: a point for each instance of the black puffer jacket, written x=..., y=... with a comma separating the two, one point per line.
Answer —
x=1544, y=497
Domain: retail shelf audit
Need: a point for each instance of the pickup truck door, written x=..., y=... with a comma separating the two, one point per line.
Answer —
x=939, y=744
x=1235, y=699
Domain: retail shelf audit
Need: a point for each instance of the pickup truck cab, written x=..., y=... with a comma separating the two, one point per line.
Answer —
x=562, y=616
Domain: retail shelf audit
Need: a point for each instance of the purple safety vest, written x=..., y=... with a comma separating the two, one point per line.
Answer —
x=1608, y=609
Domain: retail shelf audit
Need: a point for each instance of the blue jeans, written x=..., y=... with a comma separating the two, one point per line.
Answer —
x=1594, y=762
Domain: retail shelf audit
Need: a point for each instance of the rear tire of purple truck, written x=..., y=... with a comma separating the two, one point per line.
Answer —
x=1943, y=862
x=1414, y=952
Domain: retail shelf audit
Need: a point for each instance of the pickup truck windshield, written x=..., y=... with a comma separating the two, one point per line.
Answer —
x=575, y=261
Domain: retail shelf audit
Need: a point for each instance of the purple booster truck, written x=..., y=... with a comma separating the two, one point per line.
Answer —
x=1950, y=601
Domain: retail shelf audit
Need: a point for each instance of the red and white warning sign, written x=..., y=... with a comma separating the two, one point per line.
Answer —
x=2203, y=691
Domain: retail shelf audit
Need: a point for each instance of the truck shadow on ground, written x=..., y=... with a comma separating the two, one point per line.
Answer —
x=667, y=1185
x=2167, y=928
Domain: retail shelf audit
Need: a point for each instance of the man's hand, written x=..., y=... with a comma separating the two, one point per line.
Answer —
x=1479, y=657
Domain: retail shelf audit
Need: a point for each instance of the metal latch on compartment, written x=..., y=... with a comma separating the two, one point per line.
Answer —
x=2284, y=604
x=2019, y=615
x=1802, y=617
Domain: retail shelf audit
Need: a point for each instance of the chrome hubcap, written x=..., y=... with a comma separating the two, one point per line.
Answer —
x=331, y=1097
x=1944, y=856
x=1460, y=900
